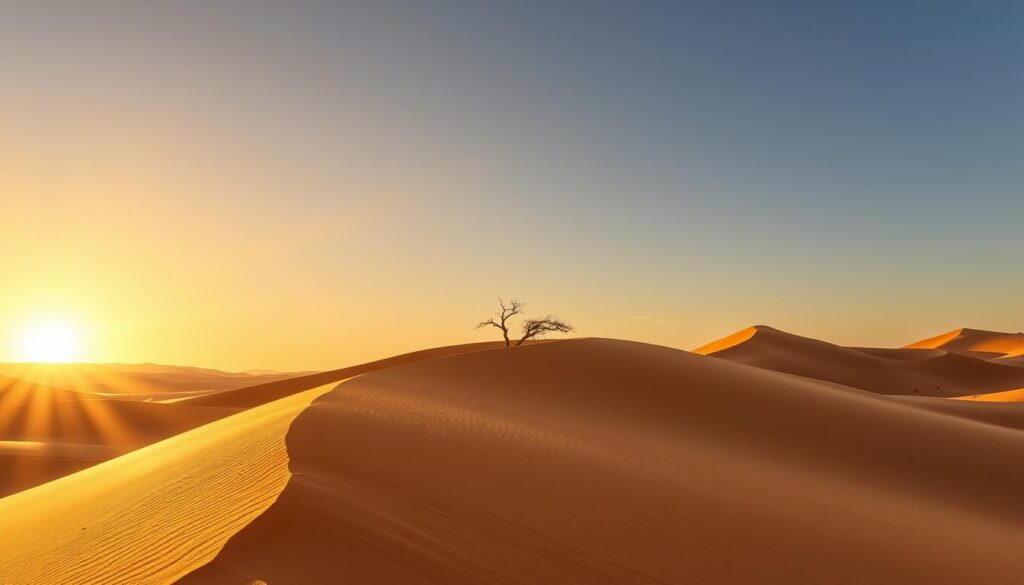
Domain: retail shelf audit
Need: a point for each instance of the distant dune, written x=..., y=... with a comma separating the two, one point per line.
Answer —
x=975, y=340
x=911, y=371
x=145, y=382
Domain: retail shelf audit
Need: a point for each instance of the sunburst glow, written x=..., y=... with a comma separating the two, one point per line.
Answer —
x=50, y=342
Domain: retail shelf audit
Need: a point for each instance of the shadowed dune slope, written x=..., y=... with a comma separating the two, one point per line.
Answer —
x=153, y=515
x=975, y=340
x=881, y=371
x=599, y=461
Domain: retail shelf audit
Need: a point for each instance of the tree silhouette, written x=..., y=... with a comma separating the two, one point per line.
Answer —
x=537, y=327
x=531, y=328
x=508, y=310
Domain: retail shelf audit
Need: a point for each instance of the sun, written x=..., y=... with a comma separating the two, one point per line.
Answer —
x=50, y=342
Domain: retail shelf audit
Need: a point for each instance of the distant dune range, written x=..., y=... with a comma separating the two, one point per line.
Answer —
x=778, y=460
x=921, y=369
x=148, y=382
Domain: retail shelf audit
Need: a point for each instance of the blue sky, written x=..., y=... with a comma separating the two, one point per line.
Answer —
x=849, y=170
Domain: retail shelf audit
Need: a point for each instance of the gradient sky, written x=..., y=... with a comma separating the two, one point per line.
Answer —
x=304, y=185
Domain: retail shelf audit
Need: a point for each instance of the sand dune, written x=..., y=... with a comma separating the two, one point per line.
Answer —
x=600, y=461
x=46, y=432
x=975, y=340
x=908, y=371
x=152, y=515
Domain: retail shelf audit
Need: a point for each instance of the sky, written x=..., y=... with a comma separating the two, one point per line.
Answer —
x=306, y=185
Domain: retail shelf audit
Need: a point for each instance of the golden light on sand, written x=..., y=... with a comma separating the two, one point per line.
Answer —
x=50, y=342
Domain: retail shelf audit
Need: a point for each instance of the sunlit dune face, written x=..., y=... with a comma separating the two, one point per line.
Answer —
x=50, y=342
x=726, y=342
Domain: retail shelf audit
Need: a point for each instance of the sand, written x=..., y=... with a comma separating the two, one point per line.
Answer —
x=601, y=461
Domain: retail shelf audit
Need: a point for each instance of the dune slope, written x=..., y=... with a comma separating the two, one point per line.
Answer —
x=154, y=514
x=884, y=371
x=600, y=461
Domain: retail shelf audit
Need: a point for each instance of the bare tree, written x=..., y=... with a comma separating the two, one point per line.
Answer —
x=537, y=327
x=508, y=310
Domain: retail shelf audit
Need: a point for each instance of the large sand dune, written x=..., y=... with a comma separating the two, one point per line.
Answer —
x=913, y=371
x=600, y=461
x=581, y=461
